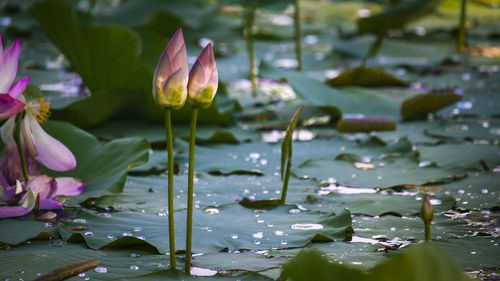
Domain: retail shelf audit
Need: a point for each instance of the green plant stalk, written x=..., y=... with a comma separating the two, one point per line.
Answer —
x=17, y=137
x=461, y=29
x=171, y=232
x=287, y=175
x=249, y=21
x=298, y=35
x=427, y=231
x=189, y=226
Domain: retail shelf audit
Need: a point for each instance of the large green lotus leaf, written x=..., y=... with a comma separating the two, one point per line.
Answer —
x=367, y=202
x=467, y=129
x=465, y=156
x=155, y=132
x=476, y=191
x=40, y=257
x=245, y=261
x=347, y=100
x=150, y=193
x=396, y=16
x=231, y=226
x=419, y=262
x=415, y=131
x=103, y=167
x=397, y=171
x=17, y=231
x=473, y=252
x=366, y=77
x=180, y=275
x=420, y=52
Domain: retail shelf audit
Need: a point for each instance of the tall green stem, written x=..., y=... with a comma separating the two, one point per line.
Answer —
x=17, y=137
x=298, y=35
x=287, y=175
x=249, y=21
x=461, y=29
x=189, y=227
x=171, y=232
x=427, y=231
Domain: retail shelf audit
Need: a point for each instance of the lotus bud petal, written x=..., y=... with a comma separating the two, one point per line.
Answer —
x=171, y=74
x=203, y=79
x=426, y=211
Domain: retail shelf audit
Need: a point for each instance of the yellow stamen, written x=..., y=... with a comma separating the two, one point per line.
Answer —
x=44, y=113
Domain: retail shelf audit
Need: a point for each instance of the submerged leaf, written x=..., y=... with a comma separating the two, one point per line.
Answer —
x=366, y=76
x=421, y=105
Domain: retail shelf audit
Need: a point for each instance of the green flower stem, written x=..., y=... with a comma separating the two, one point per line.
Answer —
x=461, y=29
x=189, y=227
x=171, y=232
x=427, y=231
x=287, y=175
x=17, y=137
x=298, y=35
x=249, y=21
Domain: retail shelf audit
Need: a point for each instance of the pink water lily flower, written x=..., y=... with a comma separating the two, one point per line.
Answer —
x=171, y=74
x=19, y=199
x=203, y=79
x=37, y=144
x=11, y=101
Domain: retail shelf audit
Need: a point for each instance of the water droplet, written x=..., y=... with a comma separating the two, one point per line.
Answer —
x=134, y=267
x=47, y=224
x=393, y=228
x=464, y=105
x=457, y=128
x=363, y=13
x=198, y=271
x=285, y=63
x=162, y=214
x=270, y=225
x=461, y=191
x=89, y=233
x=211, y=211
x=466, y=76
x=141, y=237
x=234, y=236
x=81, y=274
x=101, y=269
x=110, y=236
x=20, y=271
x=134, y=255
x=279, y=233
x=357, y=262
x=484, y=191
x=311, y=39
x=424, y=164
x=86, y=278
x=307, y=226
x=207, y=229
x=263, y=162
x=420, y=31
x=495, y=131
x=258, y=235
x=294, y=211
x=137, y=229
x=126, y=234
x=107, y=215
x=283, y=242
x=260, y=221
x=256, y=242
x=80, y=220
x=472, y=253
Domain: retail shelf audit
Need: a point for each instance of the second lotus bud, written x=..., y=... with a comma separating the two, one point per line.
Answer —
x=203, y=79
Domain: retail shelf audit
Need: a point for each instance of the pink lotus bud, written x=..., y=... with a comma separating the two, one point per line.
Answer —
x=171, y=74
x=426, y=211
x=203, y=79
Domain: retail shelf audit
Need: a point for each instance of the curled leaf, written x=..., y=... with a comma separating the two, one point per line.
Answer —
x=366, y=76
x=421, y=105
x=354, y=125
x=69, y=270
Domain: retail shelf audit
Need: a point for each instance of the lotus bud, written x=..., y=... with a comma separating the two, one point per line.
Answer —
x=171, y=74
x=203, y=79
x=426, y=211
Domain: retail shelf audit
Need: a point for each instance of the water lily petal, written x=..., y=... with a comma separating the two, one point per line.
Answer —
x=9, y=106
x=197, y=79
x=17, y=89
x=50, y=152
x=8, y=66
x=13, y=211
x=69, y=186
x=44, y=185
x=49, y=204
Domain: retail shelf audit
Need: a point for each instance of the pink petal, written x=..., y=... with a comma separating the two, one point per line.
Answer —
x=44, y=185
x=175, y=44
x=49, y=204
x=69, y=186
x=197, y=79
x=14, y=211
x=17, y=89
x=173, y=57
x=50, y=152
x=8, y=66
x=9, y=106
